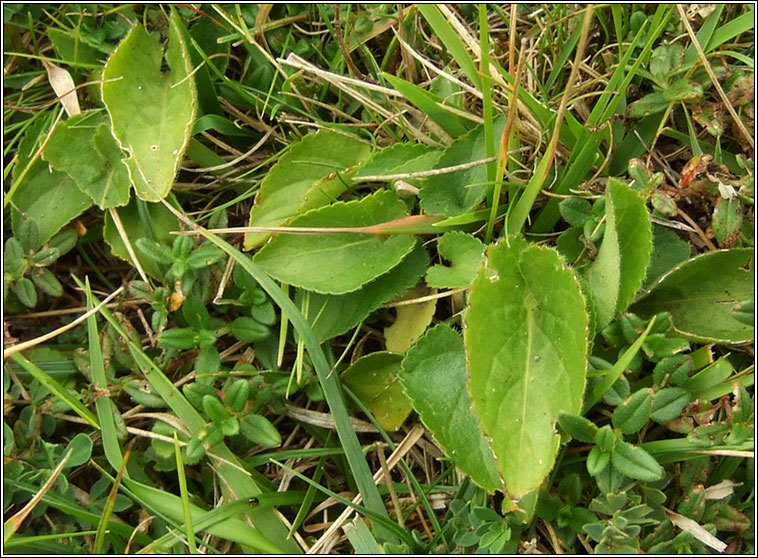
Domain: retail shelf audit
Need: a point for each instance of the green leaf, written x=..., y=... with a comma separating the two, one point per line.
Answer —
x=343, y=262
x=159, y=253
x=47, y=282
x=683, y=90
x=636, y=463
x=454, y=193
x=230, y=427
x=675, y=370
x=525, y=335
x=27, y=234
x=215, y=409
x=48, y=198
x=26, y=292
x=237, y=394
x=700, y=294
x=597, y=461
x=205, y=256
x=195, y=313
x=84, y=148
x=434, y=376
x=249, y=330
x=617, y=273
x=13, y=258
x=632, y=414
x=259, y=430
x=575, y=211
x=464, y=251
x=669, y=404
x=373, y=379
x=744, y=312
x=430, y=104
x=45, y=256
x=577, y=427
x=313, y=173
x=157, y=225
x=152, y=112
x=208, y=360
x=179, y=338
x=668, y=251
x=399, y=158
x=652, y=103
x=195, y=392
x=727, y=221
x=81, y=450
x=333, y=315
x=71, y=47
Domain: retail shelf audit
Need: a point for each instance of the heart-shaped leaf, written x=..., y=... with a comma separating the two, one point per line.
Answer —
x=464, y=251
x=152, y=112
x=525, y=335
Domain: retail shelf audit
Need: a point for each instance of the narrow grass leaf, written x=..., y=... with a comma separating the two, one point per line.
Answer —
x=452, y=42
x=56, y=389
x=617, y=370
x=103, y=405
x=110, y=502
x=329, y=382
x=184, y=494
x=430, y=105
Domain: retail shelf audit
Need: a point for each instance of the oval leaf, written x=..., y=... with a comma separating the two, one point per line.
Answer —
x=332, y=315
x=700, y=294
x=311, y=174
x=622, y=261
x=152, y=112
x=342, y=262
x=525, y=335
x=454, y=193
x=633, y=413
x=434, y=376
x=373, y=379
x=636, y=463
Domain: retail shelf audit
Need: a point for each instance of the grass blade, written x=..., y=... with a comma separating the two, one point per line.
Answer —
x=14, y=522
x=452, y=41
x=185, y=497
x=56, y=389
x=103, y=405
x=330, y=383
x=102, y=526
x=615, y=372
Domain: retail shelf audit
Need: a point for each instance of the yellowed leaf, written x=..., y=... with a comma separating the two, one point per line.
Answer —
x=410, y=324
x=64, y=87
